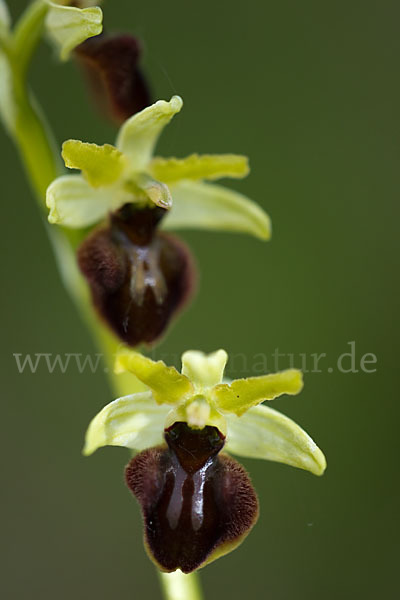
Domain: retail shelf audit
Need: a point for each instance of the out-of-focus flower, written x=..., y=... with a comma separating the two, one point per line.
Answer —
x=111, y=66
x=198, y=504
x=69, y=24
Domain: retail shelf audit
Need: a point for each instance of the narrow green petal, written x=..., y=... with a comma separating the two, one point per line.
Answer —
x=135, y=422
x=168, y=386
x=139, y=134
x=157, y=192
x=265, y=433
x=196, y=167
x=69, y=26
x=204, y=370
x=74, y=203
x=198, y=205
x=100, y=165
x=242, y=394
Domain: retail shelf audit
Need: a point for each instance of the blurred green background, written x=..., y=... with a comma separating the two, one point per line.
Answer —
x=310, y=91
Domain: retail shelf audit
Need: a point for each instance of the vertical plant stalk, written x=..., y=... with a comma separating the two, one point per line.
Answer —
x=178, y=586
x=31, y=135
x=25, y=125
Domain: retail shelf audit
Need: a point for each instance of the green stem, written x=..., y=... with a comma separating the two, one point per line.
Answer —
x=28, y=32
x=23, y=119
x=178, y=586
x=33, y=142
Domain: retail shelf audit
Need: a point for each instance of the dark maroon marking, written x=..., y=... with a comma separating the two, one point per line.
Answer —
x=193, y=500
x=139, y=278
x=111, y=64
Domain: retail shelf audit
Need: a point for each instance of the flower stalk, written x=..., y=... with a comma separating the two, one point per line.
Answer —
x=20, y=111
x=178, y=586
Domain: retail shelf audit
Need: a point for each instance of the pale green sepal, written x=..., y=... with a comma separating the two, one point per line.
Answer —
x=168, y=386
x=266, y=433
x=242, y=394
x=74, y=203
x=198, y=205
x=100, y=165
x=135, y=422
x=5, y=20
x=207, y=166
x=204, y=370
x=69, y=26
x=157, y=192
x=139, y=134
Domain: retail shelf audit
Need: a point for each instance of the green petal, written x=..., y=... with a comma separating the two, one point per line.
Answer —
x=69, y=26
x=207, y=166
x=100, y=165
x=139, y=134
x=242, y=394
x=265, y=433
x=74, y=203
x=204, y=370
x=135, y=422
x=168, y=386
x=157, y=192
x=198, y=205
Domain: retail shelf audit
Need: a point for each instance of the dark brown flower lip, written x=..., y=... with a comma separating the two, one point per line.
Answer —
x=137, y=225
x=197, y=504
x=111, y=65
x=140, y=278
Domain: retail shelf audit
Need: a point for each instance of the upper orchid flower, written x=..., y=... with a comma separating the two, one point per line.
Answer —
x=198, y=504
x=68, y=23
x=127, y=173
x=111, y=64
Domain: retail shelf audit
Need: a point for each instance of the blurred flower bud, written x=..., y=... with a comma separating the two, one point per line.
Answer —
x=139, y=277
x=69, y=24
x=111, y=63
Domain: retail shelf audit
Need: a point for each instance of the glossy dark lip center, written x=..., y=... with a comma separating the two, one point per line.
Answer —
x=136, y=225
x=193, y=454
x=193, y=448
x=194, y=500
x=139, y=276
x=135, y=231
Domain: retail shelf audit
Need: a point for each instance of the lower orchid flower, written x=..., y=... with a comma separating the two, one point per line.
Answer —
x=198, y=503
